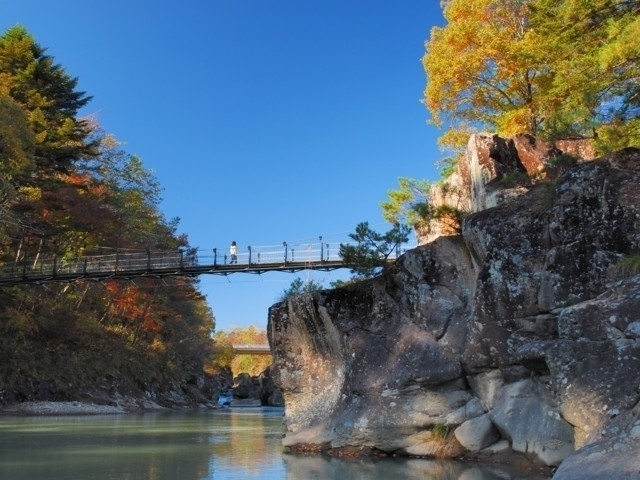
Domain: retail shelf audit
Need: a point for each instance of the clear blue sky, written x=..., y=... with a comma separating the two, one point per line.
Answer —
x=264, y=121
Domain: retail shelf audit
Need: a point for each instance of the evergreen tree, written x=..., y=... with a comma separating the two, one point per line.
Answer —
x=49, y=96
x=299, y=286
x=372, y=250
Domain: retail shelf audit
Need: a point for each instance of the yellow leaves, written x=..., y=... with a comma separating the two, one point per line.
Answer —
x=16, y=141
x=38, y=123
x=158, y=346
x=513, y=122
x=5, y=84
x=30, y=193
x=455, y=139
x=66, y=128
x=482, y=66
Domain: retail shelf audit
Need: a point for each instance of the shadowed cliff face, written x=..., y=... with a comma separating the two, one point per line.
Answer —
x=516, y=336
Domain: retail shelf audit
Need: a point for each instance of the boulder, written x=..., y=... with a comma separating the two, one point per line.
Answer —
x=534, y=154
x=270, y=395
x=245, y=386
x=477, y=433
x=531, y=424
x=607, y=458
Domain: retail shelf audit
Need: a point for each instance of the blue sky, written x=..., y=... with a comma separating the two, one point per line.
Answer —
x=264, y=120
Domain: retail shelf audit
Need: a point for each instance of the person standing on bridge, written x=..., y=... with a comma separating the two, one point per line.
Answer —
x=233, y=250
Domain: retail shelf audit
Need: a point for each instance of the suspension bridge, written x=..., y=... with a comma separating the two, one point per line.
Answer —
x=128, y=264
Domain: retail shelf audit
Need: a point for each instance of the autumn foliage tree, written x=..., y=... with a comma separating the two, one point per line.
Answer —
x=241, y=363
x=479, y=70
x=546, y=67
x=67, y=189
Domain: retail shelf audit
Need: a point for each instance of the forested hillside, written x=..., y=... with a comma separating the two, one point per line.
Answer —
x=68, y=189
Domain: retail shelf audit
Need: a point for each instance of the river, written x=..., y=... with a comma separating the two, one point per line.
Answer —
x=222, y=444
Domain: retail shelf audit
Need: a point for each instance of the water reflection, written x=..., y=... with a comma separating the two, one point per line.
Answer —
x=221, y=445
x=406, y=469
x=237, y=444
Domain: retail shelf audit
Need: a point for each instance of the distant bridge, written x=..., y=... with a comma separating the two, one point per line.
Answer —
x=127, y=264
x=248, y=349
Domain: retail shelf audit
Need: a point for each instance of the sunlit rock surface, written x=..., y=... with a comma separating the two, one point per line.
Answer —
x=521, y=333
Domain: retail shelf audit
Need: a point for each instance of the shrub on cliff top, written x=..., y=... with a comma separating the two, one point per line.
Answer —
x=372, y=250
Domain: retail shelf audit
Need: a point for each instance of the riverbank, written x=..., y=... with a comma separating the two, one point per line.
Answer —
x=83, y=408
x=61, y=408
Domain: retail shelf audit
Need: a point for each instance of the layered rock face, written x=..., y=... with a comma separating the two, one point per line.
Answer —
x=521, y=334
x=493, y=171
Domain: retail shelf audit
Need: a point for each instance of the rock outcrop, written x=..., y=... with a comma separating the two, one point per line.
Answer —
x=521, y=334
x=494, y=171
x=256, y=390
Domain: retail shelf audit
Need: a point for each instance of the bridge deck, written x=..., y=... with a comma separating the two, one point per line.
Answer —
x=46, y=275
x=126, y=265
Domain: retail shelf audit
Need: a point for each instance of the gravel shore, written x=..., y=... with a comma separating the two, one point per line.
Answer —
x=122, y=405
x=60, y=408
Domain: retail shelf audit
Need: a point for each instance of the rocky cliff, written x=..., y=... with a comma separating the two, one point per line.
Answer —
x=517, y=336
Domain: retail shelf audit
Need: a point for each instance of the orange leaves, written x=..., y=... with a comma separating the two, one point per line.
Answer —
x=150, y=325
x=112, y=287
x=78, y=179
x=124, y=298
x=135, y=307
x=85, y=183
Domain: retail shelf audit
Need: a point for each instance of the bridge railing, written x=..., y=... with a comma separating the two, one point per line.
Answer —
x=177, y=260
x=282, y=253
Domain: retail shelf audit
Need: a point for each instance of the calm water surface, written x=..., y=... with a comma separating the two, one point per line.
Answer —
x=222, y=445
